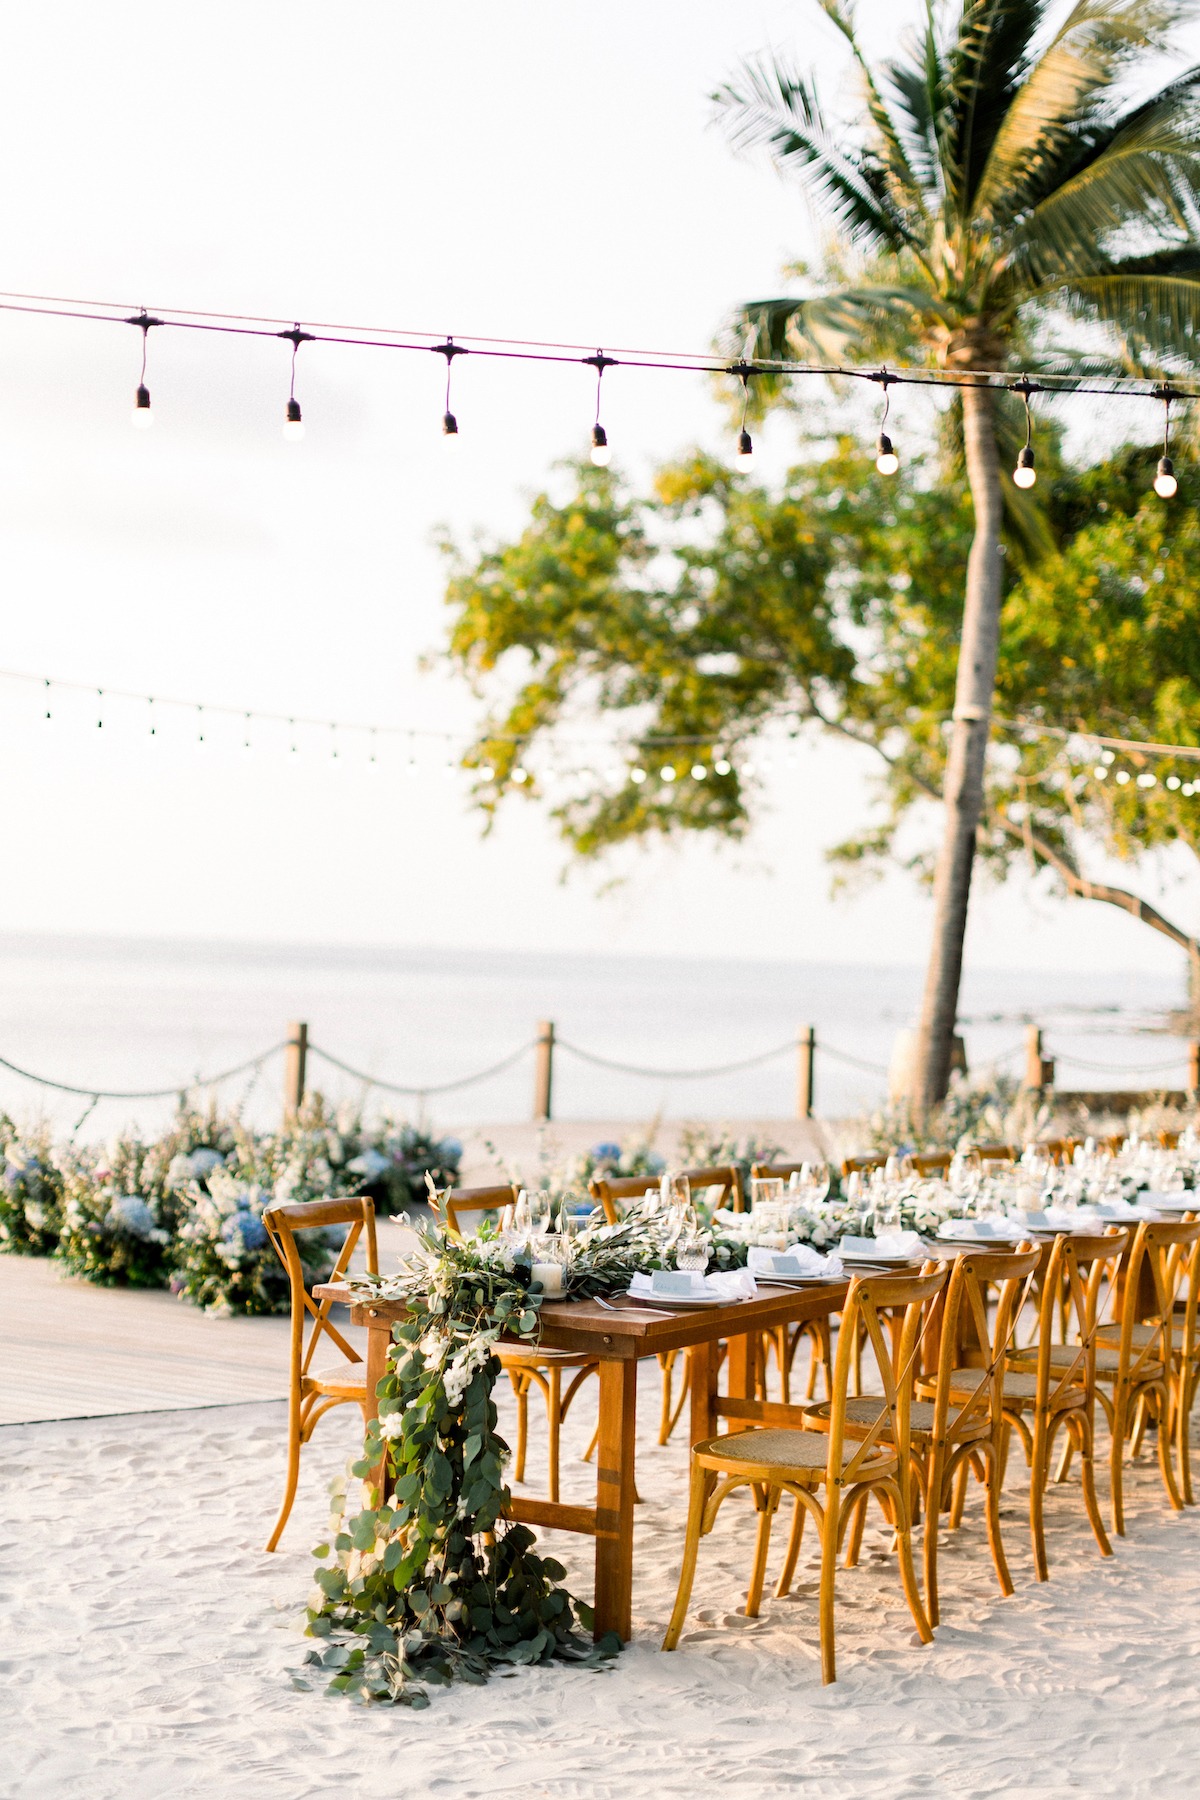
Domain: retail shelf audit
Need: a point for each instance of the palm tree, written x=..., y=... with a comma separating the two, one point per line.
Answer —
x=1010, y=175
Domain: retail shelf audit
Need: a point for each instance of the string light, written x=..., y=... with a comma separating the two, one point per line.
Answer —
x=699, y=772
x=449, y=350
x=667, y=772
x=1166, y=485
x=142, y=416
x=1024, y=475
x=745, y=443
x=886, y=460
x=637, y=775
x=601, y=454
x=293, y=423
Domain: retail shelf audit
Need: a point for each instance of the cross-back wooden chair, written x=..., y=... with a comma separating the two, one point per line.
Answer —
x=1135, y=1357
x=996, y=1153
x=956, y=1426
x=613, y=1194
x=312, y=1392
x=1114, y=1142
x=862, y=1165
x=1060, y=1150
x=526, y=1367
x=786, y=1340
x=933, y=1162
x=1185, y=1353
x=1051, y=1386
x=850, y=1468
x=1169, y=1140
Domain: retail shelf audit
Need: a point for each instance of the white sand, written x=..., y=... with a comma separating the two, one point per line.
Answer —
x=148, y=1645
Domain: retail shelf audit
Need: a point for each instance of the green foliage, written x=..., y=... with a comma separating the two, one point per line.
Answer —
x=410, y=1592
x=30, y=1191
x=394, y=1159
x=995, y=1110
x=119, y=1214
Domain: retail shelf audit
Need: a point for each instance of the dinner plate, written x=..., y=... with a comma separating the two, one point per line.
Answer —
x=680, y=1302
x=875, y=1262
x=796, y=1280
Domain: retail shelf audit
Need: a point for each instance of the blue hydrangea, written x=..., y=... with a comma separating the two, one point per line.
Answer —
x=131, y=1214
x=607, y=1152
x=244, y=1231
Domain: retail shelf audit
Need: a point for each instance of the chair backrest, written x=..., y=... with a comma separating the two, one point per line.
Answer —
x=613, y=1192
x=963, y=1304
x=781, y=1171
x=997, y=1153
x=1114, y=1142
x=282, y=1224
x=936, y=1162
x=1060, y=1150
x=1065, y=1294
x=867, y=1297
x=1184, y=1276
x=1160, y=1250
x=457, y=1204
x=1169, y=1140
x=861, y=1165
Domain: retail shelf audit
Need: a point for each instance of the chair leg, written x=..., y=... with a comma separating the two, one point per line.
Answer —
x=908, y=1573
x=293, y=1471
x=1087, y=1466
x=1064, y=1461
x=784, y=1361
x=1141, y=1413
x=995, y=1541
x=960, y=1493
x=1183, y=1441
x=795, y=1537
x=553, y=1424
x=666, y=1363
x=854, y=1535
x=521, y=1390
x=1116, y=1458
x=1037, y=1493
x=701, y=1487
x=591, y=1449
x=929, y=1548
x=768, y=1500
x=829, y=1550
x=685, y=1388
x=1164, y=1446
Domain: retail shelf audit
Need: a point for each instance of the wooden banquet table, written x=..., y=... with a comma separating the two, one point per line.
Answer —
x=618, y=1336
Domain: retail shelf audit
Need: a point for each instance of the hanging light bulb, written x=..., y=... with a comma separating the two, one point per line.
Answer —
x=745, y=444
x=1025, y=474
x=142, y=417
x=449, y=423
x=600, y=452
x=699, y=772
x=293, y=424
x=637, y=775
x=723, y=766
x=886, y=460
x=1166, y=485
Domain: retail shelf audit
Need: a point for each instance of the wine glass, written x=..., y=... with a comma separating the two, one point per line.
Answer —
x=765, y=1190
x=522, y=1220
x=676, y=1190
x=539, y=1209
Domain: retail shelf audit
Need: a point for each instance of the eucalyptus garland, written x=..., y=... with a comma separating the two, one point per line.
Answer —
x=428, y=1583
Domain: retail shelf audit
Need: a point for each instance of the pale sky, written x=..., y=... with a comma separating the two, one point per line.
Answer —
x=534, y=170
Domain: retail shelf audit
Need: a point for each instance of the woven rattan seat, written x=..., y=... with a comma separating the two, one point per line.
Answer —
x=1139, y=1335
x=1020, y=1389
x=769, y=1449
x=864, y=1409
x=348, y=1378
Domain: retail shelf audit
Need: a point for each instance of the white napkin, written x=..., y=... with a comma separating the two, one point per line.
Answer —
x=888, y=1243
x=1074, y=1218
x=966, y=1228
x=1031, y=1220
x=798, y=1259
x=1186, y=1201
x=681, y=1284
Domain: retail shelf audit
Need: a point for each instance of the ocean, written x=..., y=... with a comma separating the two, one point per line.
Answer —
x=110, y=1013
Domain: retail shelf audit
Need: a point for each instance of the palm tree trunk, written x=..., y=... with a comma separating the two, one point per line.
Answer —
x=963, y=792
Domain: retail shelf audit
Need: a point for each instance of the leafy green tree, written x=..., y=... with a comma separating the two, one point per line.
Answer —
x=710, y=608
x=1016, y=174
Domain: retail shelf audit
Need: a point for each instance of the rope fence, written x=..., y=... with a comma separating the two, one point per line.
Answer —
x=1039, y=1070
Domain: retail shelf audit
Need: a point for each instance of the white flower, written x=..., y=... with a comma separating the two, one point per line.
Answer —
x=391, y=1426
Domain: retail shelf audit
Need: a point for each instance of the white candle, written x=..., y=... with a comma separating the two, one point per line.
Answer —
x=550, y=1274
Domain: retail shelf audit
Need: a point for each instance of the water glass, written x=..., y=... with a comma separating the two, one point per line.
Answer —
x=765, y=1189
x=691, y=1252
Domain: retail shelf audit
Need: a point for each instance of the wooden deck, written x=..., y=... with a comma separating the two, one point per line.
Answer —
x=72, y=1351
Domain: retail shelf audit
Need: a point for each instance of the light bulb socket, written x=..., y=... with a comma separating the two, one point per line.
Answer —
x=1025, y=474
x=142, y=402
x=293, y=412
x=599, y=438
x=449, y=425
x=745, y=445
x=1025, y=459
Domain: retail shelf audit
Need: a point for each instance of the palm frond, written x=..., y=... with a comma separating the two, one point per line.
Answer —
x=833, y=327
x=1151, y=302
x=1069, y=85
x=919, y=86
x=770, y=106
x=890, y=142
x=984, y=67
x=1141, y=171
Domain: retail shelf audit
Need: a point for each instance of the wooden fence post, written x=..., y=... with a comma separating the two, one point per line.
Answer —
x=806, y=1071
x=1039, y=1068
x=1193, y=1079
x=543, y=1069
x=295, y=1061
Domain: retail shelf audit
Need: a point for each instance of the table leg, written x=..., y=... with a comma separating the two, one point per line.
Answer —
x=614, y=1498
x=743, y=1365
x=704, y=1363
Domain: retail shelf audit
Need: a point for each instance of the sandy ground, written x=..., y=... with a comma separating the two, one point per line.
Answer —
x=148, y=1646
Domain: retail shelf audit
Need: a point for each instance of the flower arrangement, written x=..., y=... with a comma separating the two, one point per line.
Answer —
x=118, y=1215
x=30, y=1191
x=427, y=1583
x=394, y=1160
x=223, y=1258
